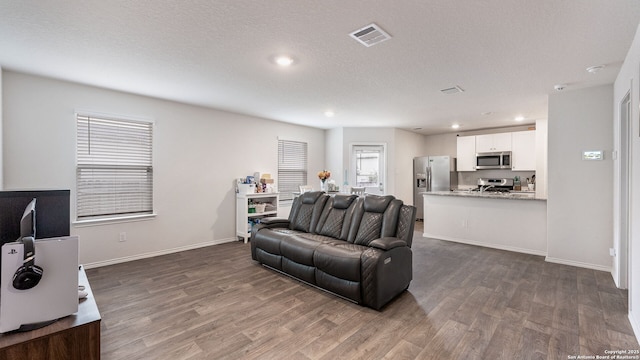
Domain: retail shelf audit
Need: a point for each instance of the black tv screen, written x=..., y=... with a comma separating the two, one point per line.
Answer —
x=53, y=217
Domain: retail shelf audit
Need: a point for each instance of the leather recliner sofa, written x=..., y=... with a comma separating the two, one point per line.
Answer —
x=356, y=247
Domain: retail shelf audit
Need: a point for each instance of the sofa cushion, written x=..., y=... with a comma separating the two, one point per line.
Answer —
x=306, y=211
x=341, y=260
x=376, y=217
x=323, y=239
x=264, y=257
x=345, y=288
x=336, y=216
x=369, y=229
x=303, y=272
x=299, y=249
x=343, y=201
x=269, y=240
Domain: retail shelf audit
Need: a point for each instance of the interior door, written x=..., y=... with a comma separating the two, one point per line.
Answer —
x=369, y=167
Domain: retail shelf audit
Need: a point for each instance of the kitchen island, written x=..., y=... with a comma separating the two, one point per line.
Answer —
x=512, y=221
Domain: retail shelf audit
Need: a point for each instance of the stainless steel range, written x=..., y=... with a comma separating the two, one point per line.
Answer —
x=495, y=184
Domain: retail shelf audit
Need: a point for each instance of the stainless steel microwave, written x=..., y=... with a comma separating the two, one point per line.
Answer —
x=493, y=160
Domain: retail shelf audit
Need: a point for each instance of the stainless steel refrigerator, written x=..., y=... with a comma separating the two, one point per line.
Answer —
x=432, y=173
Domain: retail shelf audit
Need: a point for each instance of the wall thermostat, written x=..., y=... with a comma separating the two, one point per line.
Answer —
x=593, y=155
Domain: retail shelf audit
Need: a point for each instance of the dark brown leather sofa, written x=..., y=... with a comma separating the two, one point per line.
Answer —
x=356, y=247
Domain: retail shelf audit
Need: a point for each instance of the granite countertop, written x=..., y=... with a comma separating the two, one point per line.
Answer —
x=488, y=195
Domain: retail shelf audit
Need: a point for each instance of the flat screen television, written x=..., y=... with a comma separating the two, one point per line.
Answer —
x=51, y=216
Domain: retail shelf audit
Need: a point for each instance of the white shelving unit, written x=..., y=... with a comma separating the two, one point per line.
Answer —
x=245, y=219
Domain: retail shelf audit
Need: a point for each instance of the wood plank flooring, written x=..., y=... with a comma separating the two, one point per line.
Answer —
x=465, y=302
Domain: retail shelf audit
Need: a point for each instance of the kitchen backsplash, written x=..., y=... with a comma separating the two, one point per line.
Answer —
x=468, y=179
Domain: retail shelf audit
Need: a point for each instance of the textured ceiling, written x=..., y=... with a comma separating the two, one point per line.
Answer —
x=506, y=55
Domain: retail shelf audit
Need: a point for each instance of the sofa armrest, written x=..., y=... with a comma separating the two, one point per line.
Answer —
x=269, y=223
x=387, y=243
x=274, y=222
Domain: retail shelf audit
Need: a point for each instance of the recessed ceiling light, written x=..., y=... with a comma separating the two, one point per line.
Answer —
x=519, y=118
x=595, y=69
x=455, y=126
x=283, y=60
x=329, y=113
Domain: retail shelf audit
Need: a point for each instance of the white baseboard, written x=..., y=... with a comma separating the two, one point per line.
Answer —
x=525, y=251
x=156, y=253
x=634, y=326
x=578, y=264
x=483, y=244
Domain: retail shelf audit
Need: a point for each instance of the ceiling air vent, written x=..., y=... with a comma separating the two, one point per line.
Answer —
x=452, y=90
x=370, y=35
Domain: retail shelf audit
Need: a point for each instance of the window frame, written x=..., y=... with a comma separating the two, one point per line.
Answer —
x=287, y=195
x=87, y=220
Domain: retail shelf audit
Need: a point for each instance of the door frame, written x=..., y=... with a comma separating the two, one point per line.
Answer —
x=622, y=184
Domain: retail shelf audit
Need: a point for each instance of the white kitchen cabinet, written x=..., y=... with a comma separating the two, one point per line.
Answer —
x=523, y=151
x=493, y=142
x=246, y=219
x=466, y=153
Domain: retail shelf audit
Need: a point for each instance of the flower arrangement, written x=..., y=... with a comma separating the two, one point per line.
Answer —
x=324, y=175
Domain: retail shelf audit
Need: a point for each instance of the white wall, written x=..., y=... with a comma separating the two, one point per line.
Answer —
x=334, y=156
x=408, y=146
x=443, y=144
x=579, y=206
x=197, y=155
x=541, y=158
x=629, y=79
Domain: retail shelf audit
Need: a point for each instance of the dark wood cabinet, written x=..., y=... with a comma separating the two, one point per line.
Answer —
x=76, y=336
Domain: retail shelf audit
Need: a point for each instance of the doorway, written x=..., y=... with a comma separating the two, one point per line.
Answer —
x=368, y=166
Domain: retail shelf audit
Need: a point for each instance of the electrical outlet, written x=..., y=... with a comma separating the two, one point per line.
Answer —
x=612, y=252
x=123, y=237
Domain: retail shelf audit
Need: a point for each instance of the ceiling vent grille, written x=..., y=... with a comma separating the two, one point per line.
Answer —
x=452, y=90
x=370, y=35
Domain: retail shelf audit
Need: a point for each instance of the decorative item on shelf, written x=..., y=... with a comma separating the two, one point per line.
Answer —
x=267, y=183
x=331, y=186
x=517, y=186
x=532, y=184
x=246, y=188
x=323, y=176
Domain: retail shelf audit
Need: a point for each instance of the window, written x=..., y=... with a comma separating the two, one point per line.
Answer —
x=114, y=176
x=292, y=167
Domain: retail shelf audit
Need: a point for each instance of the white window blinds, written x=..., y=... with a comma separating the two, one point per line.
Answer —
x=292, y=167
x=114, y=174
